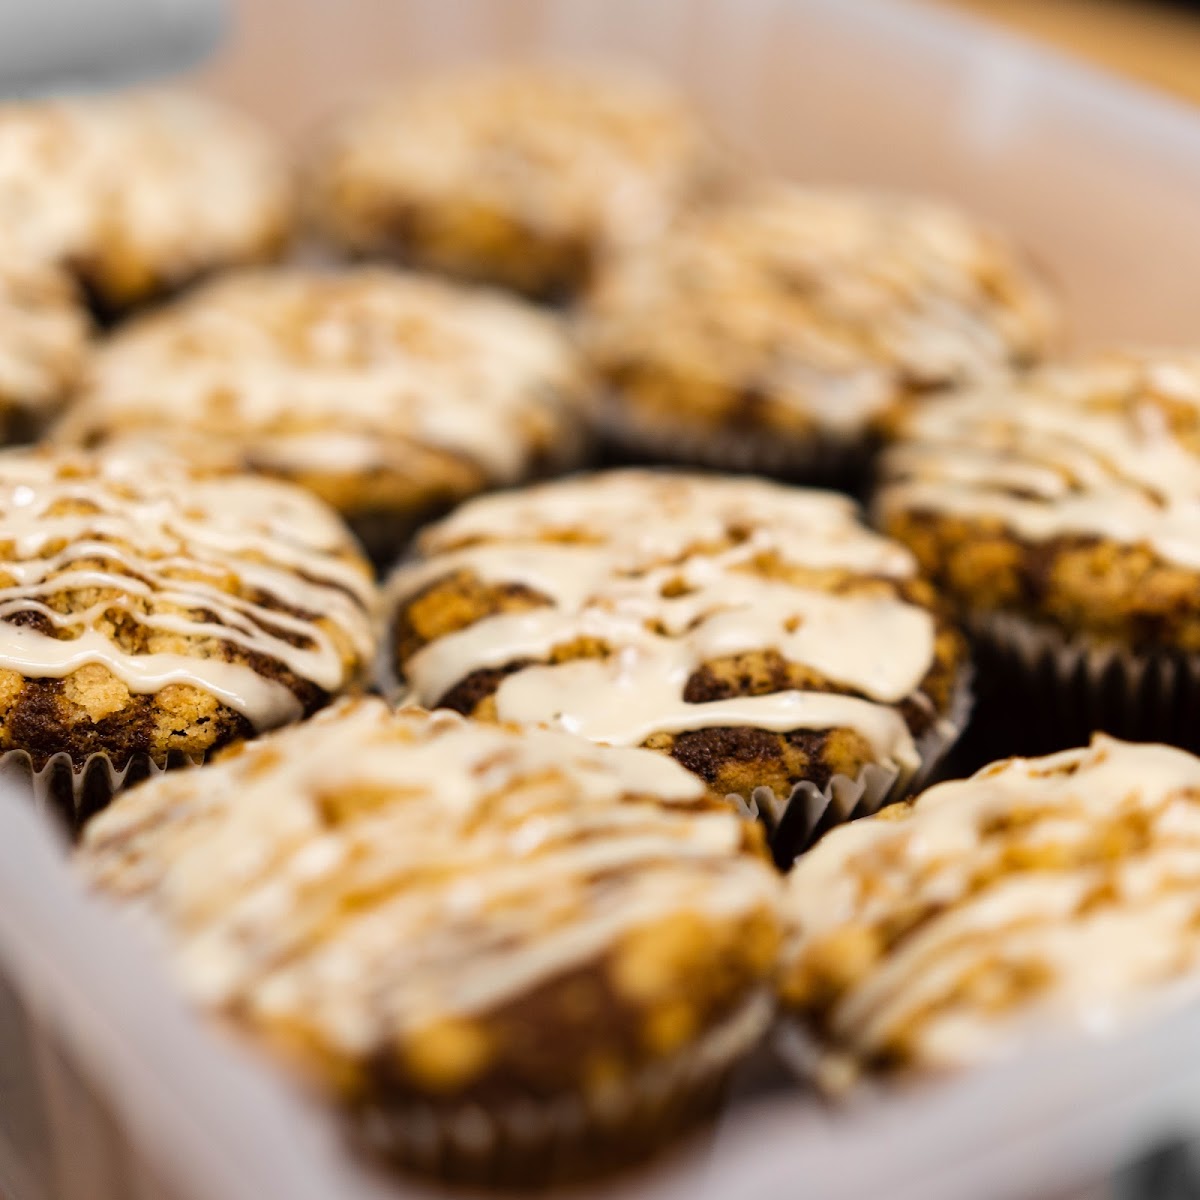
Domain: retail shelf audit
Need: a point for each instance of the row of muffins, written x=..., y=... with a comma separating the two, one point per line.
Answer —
x=719, y=316
x=405, y=906
x=514, y=957
x=760, y=636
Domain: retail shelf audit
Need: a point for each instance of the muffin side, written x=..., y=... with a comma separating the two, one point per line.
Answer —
x=1057, y=513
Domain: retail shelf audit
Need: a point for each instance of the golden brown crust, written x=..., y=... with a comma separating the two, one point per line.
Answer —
x=1078, y=584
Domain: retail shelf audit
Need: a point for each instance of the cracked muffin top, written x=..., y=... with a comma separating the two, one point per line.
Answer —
x=147, y=608
x=1041, y=893
x=139, y=192
x=1071, y=497
x=416, y=907
x=802, y=310
x=760, y=634
x=44, y=337
x=383, y=392
x=523, y=176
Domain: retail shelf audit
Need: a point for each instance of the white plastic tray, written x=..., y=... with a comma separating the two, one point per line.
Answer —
x=111, y=1090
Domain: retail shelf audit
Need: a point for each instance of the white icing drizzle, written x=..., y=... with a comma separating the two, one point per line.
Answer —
x=156, y=182
x=832, y=306
x=1079, y=873
x=192, y=557
x=1108, y=446
x=635, y=560
x=471, y=863
x=340, y=371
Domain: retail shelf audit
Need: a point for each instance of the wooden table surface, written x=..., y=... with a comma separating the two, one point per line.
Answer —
x=1156, y=43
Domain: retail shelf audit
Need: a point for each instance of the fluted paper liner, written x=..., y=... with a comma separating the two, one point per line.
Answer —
x=807, y=812
x=1062, y=687
x=820, y=458
x=540, y=1142
x=76, y=792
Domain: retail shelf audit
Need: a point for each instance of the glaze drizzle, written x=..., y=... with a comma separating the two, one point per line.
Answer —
x=661, y=569
x=1050, y=892
x=369, y=872
x=199, y=563
x=1107, y=446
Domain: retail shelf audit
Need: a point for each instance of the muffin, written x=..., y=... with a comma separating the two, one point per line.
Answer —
x=508, y=957
x=525, y=177
x=152, y=613
x=44, y=334
x=389, y=395
x=1039, y=897
x=787, y=330
x=759, y=635
x=1060, y=514
x=138, y=193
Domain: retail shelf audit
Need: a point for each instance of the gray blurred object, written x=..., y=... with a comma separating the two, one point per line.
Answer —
x=55, y=45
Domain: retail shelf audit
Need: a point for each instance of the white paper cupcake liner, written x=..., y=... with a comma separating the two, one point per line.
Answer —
x=542, y=1142
x=834, y=1074
x=74, y=793
x=822, y=458
x=795, y=821
x=1056, y=689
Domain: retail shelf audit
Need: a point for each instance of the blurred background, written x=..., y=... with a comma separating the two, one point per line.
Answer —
x=1156, y=43
x=1032, y=148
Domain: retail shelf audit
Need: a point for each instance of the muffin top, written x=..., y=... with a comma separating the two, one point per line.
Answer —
x=139, y=191
x=593, y=152
x=1044, y=892
x=643, y=608
x=811, y=309
x=398, y=900
x=43, y=340
x=1073, y=495
x=149, y=607
x=337, y=378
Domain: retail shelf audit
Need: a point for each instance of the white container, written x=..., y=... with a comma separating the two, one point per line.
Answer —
x=111, y=1090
